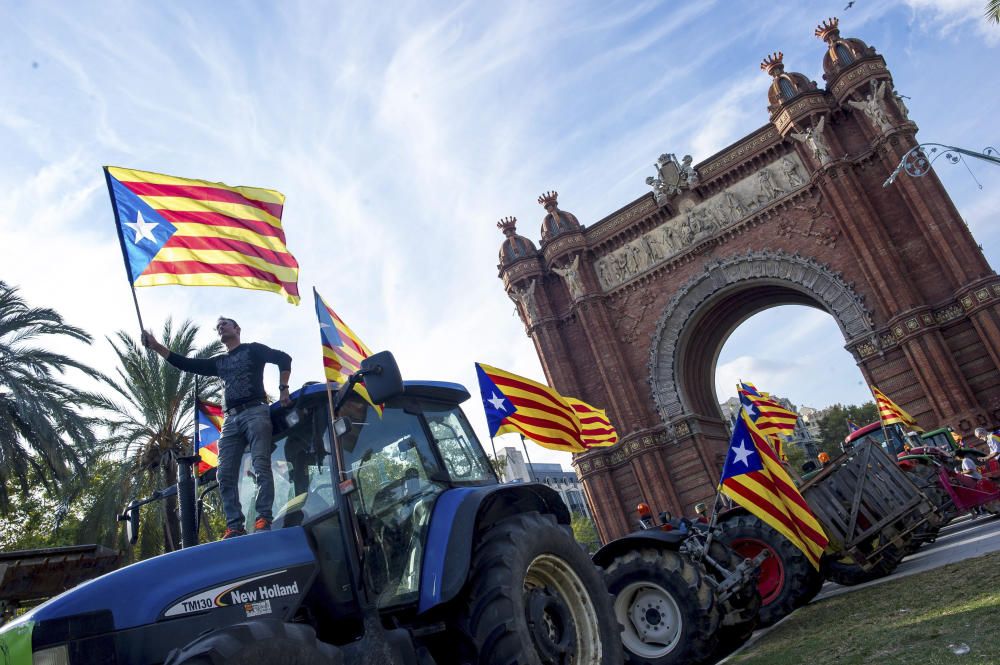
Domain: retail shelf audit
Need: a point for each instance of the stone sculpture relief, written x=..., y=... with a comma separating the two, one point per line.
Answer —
x=672, y=176
x=699, y=222
x=813, y=138
x=900, y=104
x=571, y=275
x=872, y=106
x=526, y=298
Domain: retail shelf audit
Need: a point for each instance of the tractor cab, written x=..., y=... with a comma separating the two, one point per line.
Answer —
x=397, y=460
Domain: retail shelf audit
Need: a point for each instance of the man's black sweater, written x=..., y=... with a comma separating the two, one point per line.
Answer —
x=241, y=370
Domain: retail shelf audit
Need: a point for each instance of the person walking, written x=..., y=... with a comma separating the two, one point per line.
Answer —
x=247, y=416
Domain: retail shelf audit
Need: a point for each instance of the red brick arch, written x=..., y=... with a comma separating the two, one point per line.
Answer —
x=629, y=313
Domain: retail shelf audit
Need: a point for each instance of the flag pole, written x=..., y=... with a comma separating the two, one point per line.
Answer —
x=531, y=470
x=496, y=460
x=121, y=242
x=881, y=420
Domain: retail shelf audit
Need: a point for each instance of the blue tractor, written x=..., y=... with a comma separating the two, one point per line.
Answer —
x=392, y=542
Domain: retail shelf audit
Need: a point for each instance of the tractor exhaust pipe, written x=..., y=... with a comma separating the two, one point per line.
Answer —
x=186, y=500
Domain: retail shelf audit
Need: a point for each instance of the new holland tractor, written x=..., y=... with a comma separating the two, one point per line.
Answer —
x=392, y=542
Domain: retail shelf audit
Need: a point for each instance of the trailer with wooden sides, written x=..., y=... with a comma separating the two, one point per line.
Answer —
x=28, y=577
x=869, y=509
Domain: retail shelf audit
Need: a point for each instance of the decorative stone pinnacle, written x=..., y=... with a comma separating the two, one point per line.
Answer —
x=773, y=64
x=507, y=225
x=828, y=30
x=549, y=199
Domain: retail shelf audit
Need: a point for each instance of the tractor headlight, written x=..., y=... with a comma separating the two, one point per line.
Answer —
x=52, y=656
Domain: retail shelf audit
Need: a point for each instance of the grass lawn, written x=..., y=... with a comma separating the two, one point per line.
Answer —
x=908, y=621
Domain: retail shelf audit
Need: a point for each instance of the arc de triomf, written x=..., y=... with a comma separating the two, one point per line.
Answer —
x=629, y=313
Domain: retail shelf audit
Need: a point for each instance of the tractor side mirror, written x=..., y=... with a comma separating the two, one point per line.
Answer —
x=132, y=523
x=381, y=376
x=342, y=425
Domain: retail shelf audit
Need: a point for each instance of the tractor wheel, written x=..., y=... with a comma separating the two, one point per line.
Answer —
x=259, y=642
x=846, y=572
x=534, y=597
x=665, y=605
x=786, y=576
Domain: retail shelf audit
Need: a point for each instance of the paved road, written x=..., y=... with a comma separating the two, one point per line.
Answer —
x=962, y=539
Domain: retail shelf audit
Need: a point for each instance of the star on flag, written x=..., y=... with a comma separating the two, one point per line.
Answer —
x=143, y=229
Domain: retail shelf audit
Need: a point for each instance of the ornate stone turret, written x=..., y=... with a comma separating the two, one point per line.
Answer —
x=514, y=247
x=784, y=86
x=556, y=221
x=841, y=53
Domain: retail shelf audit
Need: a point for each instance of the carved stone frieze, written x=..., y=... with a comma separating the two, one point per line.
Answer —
x=949, y=313
x=699, y=222
x=804, y=274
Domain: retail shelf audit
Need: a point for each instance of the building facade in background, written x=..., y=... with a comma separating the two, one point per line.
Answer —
x=629, y=312
x=519, y=470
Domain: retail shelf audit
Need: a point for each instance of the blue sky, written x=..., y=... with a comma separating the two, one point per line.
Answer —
x=401, y=133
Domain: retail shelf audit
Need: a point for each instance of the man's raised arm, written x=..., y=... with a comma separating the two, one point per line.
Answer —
x=203, y=366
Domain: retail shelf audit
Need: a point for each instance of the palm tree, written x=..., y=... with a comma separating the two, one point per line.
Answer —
x=149, y=423
x=43, y=433
x=993, y=11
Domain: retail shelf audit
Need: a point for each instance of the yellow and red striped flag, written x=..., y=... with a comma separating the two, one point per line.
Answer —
x=771, y=418
x=516, y=404
x=197, y=233
x=596, y=430
x=891, y=413
x=754, y=478
x=343, y=351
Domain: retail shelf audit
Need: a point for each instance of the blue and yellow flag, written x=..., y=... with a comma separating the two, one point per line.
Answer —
x=208, y=428
x=343, y=351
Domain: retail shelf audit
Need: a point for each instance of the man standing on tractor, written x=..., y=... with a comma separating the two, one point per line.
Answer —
x=248, y=419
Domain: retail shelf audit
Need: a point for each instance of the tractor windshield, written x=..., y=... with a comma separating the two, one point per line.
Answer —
x=402, y=457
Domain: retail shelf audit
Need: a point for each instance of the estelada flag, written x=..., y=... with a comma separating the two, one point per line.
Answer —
x=343, y=351
x=891, y=413
x=516, y=404
x=754, y=478
x=198, y=233
x=206, y=436
x=771, y=418
x=596, y=430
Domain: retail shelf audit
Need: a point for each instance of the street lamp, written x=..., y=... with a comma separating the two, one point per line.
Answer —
x=918, y=160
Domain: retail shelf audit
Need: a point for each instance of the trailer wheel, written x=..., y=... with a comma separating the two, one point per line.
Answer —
x=259, y=642
x=535, y=597
x=665, y=606
x=786, y=576
x=846, y=572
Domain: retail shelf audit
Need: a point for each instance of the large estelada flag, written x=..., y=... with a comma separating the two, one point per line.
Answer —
x=754, y=478
x=197, y=233
x=516, y=404
x=891, y=413
x=771, y=418
x=343, y=351
x=208, y=428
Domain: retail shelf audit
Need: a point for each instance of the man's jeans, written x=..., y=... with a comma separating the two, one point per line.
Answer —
x=253, y=427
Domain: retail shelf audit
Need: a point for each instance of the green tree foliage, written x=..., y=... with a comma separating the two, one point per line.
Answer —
x=499, y=465
x=993, y=11
x=585, y=532
x=150, y=420
x=45, y=438
x=833, y=424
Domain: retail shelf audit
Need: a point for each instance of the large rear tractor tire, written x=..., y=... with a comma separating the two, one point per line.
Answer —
x=786, y=577
x=534, y=597
x=258, y=642
x=665, y=606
